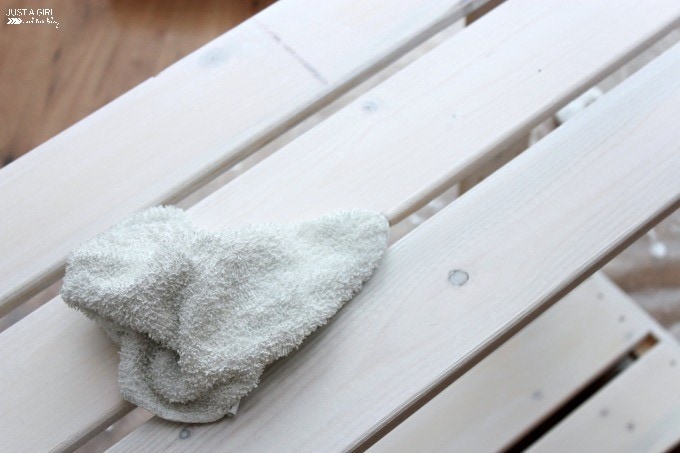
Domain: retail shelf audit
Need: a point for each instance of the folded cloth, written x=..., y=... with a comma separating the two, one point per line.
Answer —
x=199, y=314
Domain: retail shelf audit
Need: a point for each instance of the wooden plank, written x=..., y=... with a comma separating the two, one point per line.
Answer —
x=637, y=411
x=342, y=163
x=195, y=118
x=525, y=237
x=521, y=383
x=408, y=139
x=56, y=423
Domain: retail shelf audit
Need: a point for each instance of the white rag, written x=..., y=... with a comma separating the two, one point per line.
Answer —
x=199, y=314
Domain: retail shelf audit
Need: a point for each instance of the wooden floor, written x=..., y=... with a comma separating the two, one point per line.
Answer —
x=52, y=77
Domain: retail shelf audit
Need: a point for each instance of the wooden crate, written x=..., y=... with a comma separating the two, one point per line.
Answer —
x=415, y=361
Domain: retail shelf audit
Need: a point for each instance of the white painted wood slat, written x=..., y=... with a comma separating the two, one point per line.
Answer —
x=195, y=118
x=428, y=126
x=44, y=415
x=529, y=377
x=343, y=164
x=525, y=236
x=639, y=411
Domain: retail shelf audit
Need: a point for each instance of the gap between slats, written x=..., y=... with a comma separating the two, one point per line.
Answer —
x=639, y=410
x=529, y=383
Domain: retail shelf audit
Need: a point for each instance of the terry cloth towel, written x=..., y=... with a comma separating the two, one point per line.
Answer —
x=199, y=314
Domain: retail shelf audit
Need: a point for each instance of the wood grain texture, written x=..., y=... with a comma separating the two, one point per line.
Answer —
x=192, y=120
x=52, y=77
x=638, y=411
x=343, y=163
x=525, y=236
x=529, y=377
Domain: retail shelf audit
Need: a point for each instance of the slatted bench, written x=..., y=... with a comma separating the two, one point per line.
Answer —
x=444, y=330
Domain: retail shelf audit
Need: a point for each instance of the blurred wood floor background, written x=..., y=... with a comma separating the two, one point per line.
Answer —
x=50, y=78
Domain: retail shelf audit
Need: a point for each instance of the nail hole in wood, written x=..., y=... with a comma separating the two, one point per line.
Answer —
x=369, y=106
x=458, y=277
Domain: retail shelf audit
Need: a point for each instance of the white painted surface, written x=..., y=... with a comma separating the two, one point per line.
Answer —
x=194, y=119
x=524, y=235
x=342, y=164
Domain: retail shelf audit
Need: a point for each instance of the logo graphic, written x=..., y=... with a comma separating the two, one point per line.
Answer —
x=30, y=16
